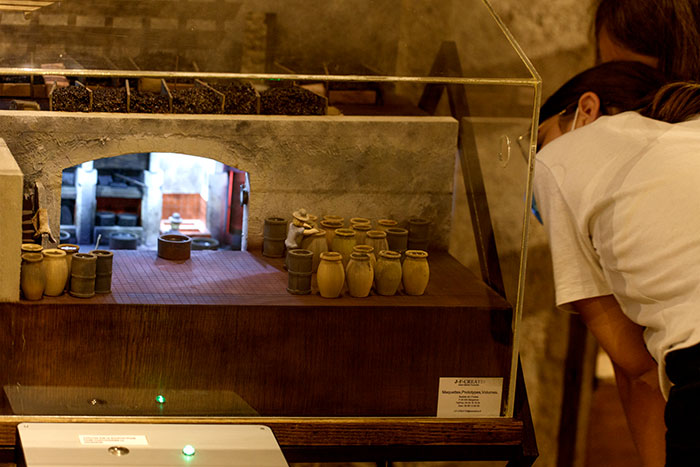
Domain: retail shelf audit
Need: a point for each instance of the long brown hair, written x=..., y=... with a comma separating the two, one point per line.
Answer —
x=620, y=86
x=674, y=102
x=668, y=30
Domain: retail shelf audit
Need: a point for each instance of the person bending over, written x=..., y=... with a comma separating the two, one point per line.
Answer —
x=617, y=182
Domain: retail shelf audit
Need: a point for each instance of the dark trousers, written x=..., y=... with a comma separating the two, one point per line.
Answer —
x=682, y=413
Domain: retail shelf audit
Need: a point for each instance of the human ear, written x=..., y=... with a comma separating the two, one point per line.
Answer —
x=589, y=108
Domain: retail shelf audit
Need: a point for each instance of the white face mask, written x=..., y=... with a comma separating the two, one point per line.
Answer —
x=573, y=124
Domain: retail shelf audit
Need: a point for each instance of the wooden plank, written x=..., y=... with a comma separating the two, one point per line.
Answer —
x=292, y=361
x=332, y=432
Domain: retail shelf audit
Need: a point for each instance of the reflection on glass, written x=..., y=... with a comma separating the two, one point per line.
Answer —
x=68, y=400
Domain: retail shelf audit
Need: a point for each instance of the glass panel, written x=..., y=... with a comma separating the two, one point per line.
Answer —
x=320, y=37
x=254, y=348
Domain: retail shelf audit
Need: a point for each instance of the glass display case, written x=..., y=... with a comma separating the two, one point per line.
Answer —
x=375, y=109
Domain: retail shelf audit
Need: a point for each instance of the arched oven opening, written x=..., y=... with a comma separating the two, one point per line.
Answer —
x=127, y=201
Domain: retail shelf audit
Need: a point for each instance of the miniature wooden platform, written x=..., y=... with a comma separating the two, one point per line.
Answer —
x=336, y=379
x=245, y=278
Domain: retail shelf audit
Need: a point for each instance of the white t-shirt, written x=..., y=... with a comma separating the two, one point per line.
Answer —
x=620, y=199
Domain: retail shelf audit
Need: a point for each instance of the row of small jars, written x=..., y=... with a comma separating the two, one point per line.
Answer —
x=360, y=273
x=415, y=236
x=53, y=271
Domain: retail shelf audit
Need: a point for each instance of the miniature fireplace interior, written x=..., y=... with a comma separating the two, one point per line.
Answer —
x=270, y=107
x=129, y=200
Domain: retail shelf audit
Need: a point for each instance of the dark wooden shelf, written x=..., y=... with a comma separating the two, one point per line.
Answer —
x=336, y=379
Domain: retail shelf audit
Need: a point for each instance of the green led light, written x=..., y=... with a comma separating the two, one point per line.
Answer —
x=160, y=399
x=188, y=450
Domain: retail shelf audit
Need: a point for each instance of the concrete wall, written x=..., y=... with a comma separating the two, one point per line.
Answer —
x=375, y=167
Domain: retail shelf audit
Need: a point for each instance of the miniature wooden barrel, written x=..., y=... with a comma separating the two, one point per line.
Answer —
x=418, y=231
x=299, y=267
x=103, y=271
x=82, y=279
x=274, y=234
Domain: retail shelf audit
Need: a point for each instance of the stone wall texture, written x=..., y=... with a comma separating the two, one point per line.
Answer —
x=376, y=167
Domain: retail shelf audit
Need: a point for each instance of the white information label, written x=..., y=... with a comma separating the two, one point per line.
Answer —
x=113, y=440
x=469, y=397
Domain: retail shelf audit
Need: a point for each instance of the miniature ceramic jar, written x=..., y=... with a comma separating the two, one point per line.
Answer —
x=359, y=275
x=31, y=248
x=103, y=270
x=360, y=220
x=32, y=278
x=377, y=240
x=82, y=280
x=317, y=244
x=383, y=224
x=361, y=232
x=332, y=218
x=70, y=250
x=330, y=226
x=415, y=272
x=397, y=239
x=56, y=271
x=369, y=251
x=418, y=229
x=299, y=263
x=274, y=233
x=331, y=274
x=343, y=243
x=387, y=275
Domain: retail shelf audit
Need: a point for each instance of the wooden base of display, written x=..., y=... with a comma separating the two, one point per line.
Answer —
x=336, y=379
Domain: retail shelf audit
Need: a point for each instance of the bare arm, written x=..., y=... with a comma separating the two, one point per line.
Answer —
x=635, y=372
